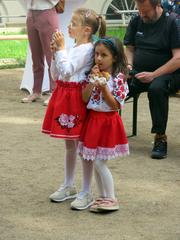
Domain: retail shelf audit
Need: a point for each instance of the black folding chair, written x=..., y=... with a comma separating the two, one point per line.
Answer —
x=134, y=101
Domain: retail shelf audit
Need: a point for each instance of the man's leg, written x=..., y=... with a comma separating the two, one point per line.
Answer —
x=158, y=95
x=136, y=87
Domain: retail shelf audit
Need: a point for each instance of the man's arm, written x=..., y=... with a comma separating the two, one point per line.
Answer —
x=129, y=51
x=171, y=66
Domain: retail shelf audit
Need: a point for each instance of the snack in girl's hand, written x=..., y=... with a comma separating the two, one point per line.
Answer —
x=101, y=77
x=106, y=75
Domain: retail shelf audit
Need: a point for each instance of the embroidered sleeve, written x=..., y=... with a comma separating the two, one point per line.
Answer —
x=120, y=88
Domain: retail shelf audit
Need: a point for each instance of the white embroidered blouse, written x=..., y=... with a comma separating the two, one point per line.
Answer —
x=117, y=86
x=72, y=66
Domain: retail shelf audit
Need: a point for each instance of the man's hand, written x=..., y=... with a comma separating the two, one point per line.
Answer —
x=145, y=77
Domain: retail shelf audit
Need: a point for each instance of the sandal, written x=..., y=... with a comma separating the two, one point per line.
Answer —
x=31, y=98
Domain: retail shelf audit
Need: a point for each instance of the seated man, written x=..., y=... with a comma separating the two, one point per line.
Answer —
x=153, y=50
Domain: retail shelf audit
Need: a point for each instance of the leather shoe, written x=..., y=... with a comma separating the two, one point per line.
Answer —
x=159, y=150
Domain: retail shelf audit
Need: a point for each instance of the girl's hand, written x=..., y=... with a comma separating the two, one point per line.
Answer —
x=95, y=70
x=100, y=86
x=58, y=39
x=53, y=47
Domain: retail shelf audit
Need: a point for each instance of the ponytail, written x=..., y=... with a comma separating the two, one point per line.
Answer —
x=102, y=27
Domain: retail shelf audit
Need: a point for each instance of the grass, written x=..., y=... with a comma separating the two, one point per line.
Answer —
x=13, y=49
x=16, y=49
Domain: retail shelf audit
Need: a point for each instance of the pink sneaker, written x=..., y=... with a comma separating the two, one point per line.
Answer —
x=108, y=204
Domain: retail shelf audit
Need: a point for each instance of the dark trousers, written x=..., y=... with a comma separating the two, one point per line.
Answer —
x=158, y=95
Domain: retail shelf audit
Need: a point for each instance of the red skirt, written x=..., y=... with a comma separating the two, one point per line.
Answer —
x=103, y=137
x=66, y=111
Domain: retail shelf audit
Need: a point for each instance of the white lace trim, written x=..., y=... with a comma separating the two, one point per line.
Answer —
x=102, y=153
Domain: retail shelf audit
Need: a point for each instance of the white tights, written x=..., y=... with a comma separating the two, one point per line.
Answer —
x=103, y=176
x=104, y=179
x=87, y=175
x=70, y=161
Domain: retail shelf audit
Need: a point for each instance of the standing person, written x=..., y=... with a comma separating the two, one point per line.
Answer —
x=42, y=21
x=66, y=111
x=27, y=80
x=153, y=50
x=103, y=136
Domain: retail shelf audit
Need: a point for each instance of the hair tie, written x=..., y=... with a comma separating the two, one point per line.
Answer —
x=88, y=13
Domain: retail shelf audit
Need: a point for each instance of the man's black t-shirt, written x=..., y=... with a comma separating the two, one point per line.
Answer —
x=153, y=42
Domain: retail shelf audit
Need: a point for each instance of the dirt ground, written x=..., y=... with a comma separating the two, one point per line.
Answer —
x=31, y=168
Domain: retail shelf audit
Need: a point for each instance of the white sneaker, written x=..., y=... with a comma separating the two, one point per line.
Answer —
x=63, y=193
x=83, y=201
x=46, y=102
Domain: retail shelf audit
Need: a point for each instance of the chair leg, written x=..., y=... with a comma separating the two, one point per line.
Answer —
x=135, y=109
x=134, y=114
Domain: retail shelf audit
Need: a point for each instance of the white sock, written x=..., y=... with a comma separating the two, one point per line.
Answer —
x=106, y=178
x=70, y=162
x=87, y=175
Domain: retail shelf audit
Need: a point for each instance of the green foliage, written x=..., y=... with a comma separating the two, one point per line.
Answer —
x=15, y=50
x=116, y=32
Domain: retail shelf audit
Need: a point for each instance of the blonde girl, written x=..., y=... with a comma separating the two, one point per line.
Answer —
x=66, y=111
